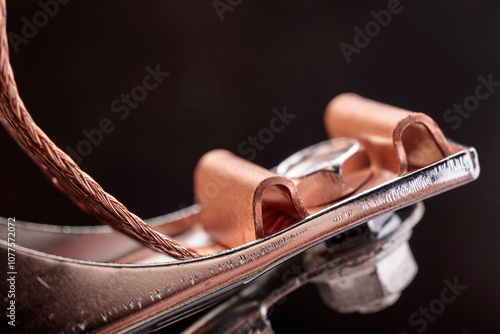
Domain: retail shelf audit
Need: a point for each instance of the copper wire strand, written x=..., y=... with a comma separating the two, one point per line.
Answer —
x=63, y=171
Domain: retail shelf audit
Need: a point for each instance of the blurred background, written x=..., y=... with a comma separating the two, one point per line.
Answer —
x=230, y=63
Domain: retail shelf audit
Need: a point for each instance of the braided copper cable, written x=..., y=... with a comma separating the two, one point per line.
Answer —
x=62, y=170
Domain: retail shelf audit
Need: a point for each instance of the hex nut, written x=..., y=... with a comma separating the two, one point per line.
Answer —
x=369, y=286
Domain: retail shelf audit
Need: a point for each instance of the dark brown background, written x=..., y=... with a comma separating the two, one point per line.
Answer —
x=225, y=78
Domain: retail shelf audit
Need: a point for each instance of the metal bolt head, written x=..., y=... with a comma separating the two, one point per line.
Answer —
x=369, y=286
x=327, y=171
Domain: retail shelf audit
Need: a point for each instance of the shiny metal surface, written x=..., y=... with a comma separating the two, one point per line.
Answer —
x=95, y=243
x=370, y=281
x=328, y=155
x=248, y=310
x=123, y=297
x=327, y=171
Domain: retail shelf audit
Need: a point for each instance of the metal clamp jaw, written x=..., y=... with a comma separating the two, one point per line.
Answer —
x=251, y=221
x=360, y=270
